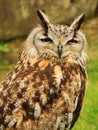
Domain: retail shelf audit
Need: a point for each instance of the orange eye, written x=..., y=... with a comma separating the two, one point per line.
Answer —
x=46, y=39
x=72, y=41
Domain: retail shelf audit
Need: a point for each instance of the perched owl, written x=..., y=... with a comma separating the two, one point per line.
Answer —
x=45, y=90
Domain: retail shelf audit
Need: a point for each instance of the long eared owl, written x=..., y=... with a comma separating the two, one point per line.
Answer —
x=45, y=90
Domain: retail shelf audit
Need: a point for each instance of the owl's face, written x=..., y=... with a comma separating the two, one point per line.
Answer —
x=58, y=41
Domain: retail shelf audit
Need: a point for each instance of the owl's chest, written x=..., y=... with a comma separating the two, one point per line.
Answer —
x=45, y=82
x=56, y=76
x=49, y=79
x=57, y=87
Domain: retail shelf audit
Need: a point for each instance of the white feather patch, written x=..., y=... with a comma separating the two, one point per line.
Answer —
x=70, y=117
x=58, y=122
x=37, y=110
x=76, y=102
x=58, y=75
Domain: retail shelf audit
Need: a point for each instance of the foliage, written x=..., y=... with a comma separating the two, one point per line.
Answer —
x=3, y=47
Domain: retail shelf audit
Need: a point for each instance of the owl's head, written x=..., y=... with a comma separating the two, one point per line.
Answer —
x=56, y=42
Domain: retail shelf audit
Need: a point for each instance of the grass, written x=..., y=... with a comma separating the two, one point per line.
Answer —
x=88, y=119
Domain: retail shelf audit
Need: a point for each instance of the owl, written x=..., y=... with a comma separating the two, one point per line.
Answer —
x=46, y=89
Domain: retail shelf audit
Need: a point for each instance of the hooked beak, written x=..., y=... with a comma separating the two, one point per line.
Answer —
x=59, y=50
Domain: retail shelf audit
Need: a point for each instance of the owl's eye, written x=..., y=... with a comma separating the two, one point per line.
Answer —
x=46, y=39
x=73, y=41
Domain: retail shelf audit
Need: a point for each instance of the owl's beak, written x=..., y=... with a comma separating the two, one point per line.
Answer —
x=59, y=50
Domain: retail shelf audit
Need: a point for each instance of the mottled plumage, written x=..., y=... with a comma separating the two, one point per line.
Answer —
x=45, y=90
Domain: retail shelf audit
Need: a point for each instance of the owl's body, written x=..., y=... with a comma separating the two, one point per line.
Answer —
x=45, y=90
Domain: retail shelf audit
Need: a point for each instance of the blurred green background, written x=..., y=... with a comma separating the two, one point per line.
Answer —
x=17, y=18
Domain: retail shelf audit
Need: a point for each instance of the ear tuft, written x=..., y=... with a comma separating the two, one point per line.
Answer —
x=43, y=18
x=78, y=22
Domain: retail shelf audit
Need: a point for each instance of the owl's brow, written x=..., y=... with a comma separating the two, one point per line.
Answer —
x=35, y=35
x=45, y=34
x=74, y=34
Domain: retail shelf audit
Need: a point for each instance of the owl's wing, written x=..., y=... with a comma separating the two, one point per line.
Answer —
x=83, y=74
